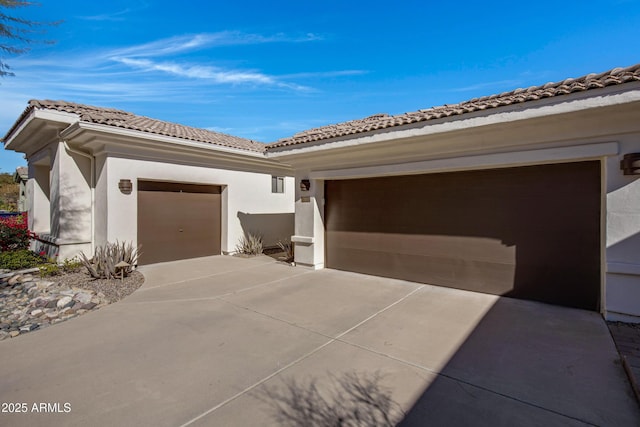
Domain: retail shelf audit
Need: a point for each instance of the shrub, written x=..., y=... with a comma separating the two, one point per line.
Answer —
x=71, y=265
x=103, y=263
x=14, y=234
x=250, y=245
x=287, y=248
x=49, y=269
x=19, y=259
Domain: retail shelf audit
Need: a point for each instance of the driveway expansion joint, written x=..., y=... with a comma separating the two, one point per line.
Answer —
x=215, y=297
x=145, y=289
x=463, y=381
x=298, y=360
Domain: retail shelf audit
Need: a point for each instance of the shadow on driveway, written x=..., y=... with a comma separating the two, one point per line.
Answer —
x=232, y=341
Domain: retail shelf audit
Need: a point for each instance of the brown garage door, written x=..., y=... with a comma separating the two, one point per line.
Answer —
x=528, y=232
x=177, y=221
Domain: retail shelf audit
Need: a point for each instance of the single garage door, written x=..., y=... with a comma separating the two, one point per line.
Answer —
x=528, y=232
x=177, y=221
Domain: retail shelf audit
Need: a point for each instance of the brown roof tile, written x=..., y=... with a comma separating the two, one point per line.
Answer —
x=382, y=121
x=125, y=120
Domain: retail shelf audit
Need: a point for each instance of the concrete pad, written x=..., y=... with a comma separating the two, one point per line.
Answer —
x=327, y=301
x=401, y=383
x=451, y=403
x=217, y=284
x=158, y=365
x=196, y=350
x=189, y=269
x=547, y=356
x=417, y=396
x=426, y=329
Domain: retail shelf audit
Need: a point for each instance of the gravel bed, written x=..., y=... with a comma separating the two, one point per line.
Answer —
x=29, y=302
x=113, y=289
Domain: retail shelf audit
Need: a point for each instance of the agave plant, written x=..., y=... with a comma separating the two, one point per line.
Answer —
x=250, y=245
x=106, y=257
x=287, y=248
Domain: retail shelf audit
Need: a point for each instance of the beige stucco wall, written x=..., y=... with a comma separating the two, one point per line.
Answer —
x=622, y=280
x=597, y=132
x=59, y=201
x=60, y=193
x=248, y=205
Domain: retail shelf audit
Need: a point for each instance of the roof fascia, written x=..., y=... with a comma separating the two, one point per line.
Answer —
x=42, y=115
x=107, y=139
x=119, y=133
x=502, y=115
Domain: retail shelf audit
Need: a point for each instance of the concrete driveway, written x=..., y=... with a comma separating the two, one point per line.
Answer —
x=226, y=341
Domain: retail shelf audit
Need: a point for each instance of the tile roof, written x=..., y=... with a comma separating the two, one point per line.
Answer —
x=22, y=171
x=382, y=121
x=125, y=120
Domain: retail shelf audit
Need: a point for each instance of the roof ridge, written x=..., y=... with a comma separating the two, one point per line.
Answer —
x=586, y=82
x=127, y=120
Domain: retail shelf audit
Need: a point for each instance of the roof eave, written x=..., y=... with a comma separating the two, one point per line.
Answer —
x=76, y=129
x=33, y=122
x=499, y=115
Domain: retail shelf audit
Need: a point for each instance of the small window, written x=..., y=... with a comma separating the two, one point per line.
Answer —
x=277, y=184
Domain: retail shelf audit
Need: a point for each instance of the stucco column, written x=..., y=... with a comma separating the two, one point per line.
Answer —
x=70, y=202
x=309, y=223
x=38, y=194
x=622, y=286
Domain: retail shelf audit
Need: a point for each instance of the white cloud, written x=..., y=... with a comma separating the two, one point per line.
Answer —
x=115, y=16
x=143, y=57
x=198, y=71
x=192, y=42
x=213, y=74
x=149, y=73
x=163, y=47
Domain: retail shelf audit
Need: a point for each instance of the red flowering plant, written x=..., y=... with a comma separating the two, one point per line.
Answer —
x=14, y=233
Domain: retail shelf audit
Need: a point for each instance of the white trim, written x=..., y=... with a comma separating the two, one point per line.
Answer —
x=474, y=120
x=47, y=115
x=129, y=133
x=549, y=155
x=318, y=266
x=56, y=116
x=302, y=239
x=623, y=268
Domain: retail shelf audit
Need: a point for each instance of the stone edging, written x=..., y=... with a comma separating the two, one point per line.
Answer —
x=29, y=303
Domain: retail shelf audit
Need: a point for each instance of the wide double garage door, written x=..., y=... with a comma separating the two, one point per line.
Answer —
x=528, y=232
x=177, y=221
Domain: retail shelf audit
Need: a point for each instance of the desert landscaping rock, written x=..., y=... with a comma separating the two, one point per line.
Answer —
x=30, y=303
x=64, y=302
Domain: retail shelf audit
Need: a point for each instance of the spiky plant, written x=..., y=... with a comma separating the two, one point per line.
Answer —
x=287, y=248
x=106, y=257
x=251, y=244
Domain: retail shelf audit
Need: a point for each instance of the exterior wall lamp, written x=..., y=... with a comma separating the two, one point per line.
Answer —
x=125, y=186
x=630, y=164
x=305, y=185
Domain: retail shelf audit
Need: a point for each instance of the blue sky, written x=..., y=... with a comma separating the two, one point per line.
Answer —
x=266, y=70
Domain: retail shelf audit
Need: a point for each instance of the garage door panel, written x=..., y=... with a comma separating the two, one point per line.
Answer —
x=178, y=221
x=475, y=248
x=528, y=232
x=479, y=276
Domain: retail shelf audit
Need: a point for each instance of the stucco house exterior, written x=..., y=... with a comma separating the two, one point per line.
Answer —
x=99, y=175
x=21, y=176
x=532, y=194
